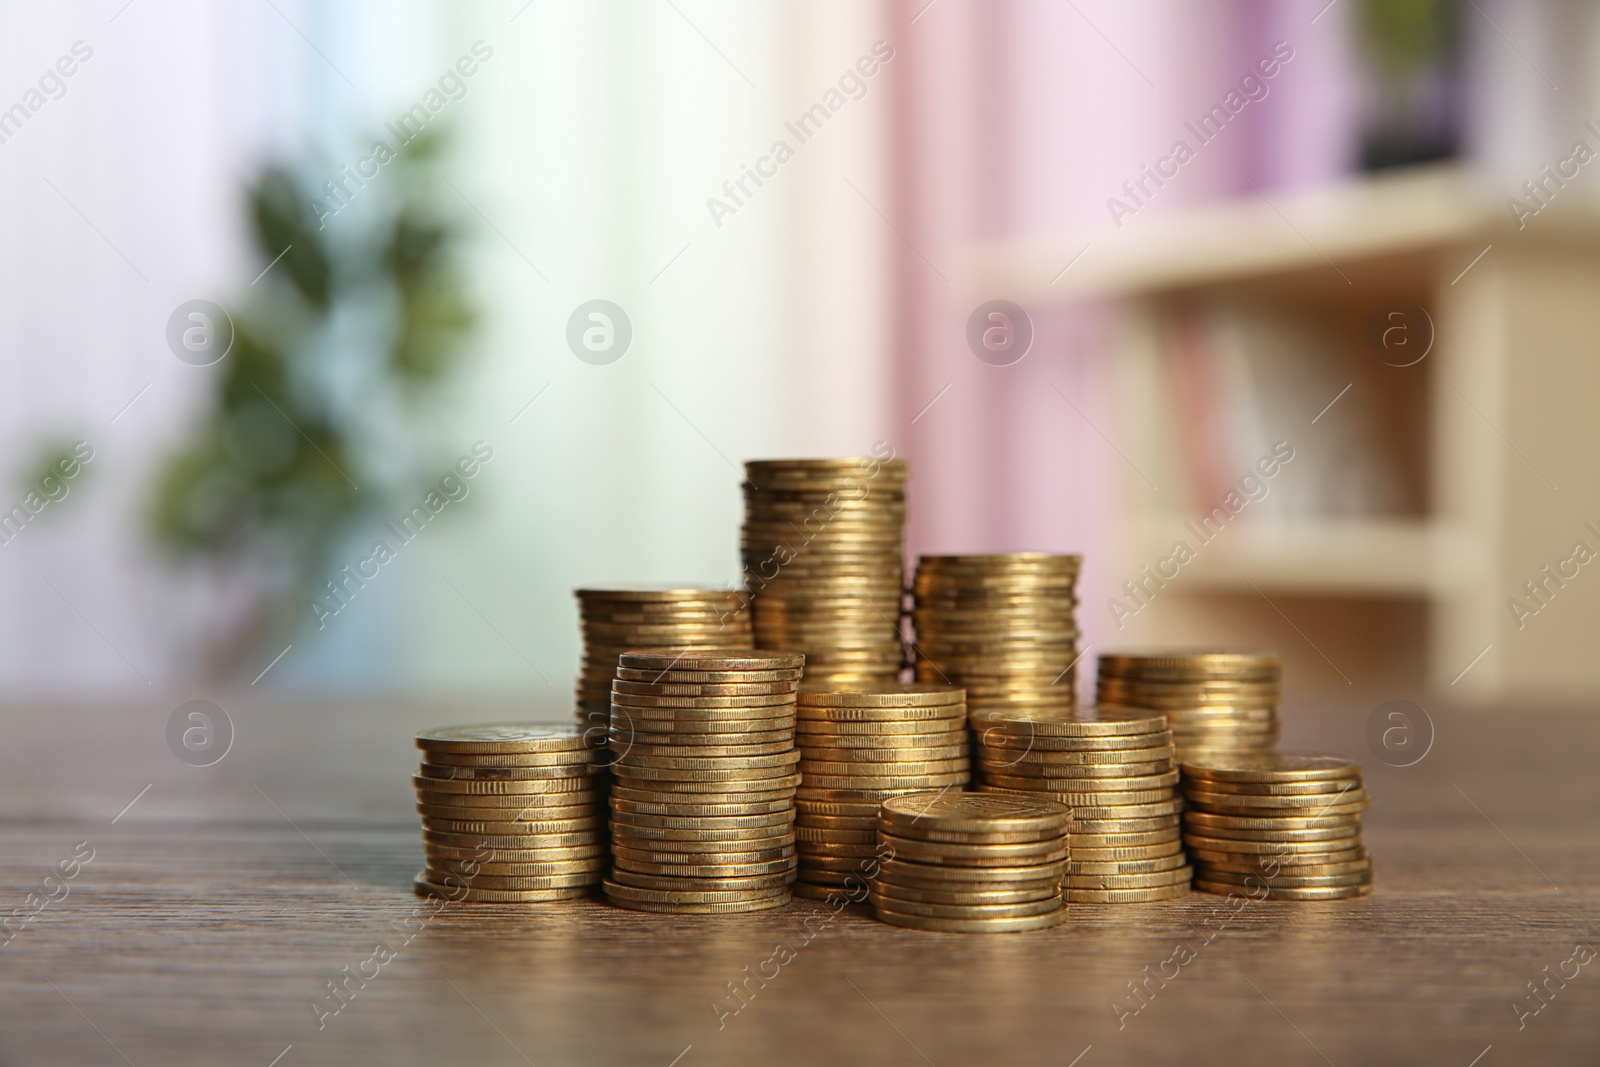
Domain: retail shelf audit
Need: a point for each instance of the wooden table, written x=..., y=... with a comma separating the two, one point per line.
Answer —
x=216, y=908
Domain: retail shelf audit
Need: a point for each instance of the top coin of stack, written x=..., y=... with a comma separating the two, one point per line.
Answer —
x=1002, y=627
x=615, y=619
x=860, y=744
x=1116, y=776
x=1216, y=702
x=510, y=812
x=971, y=863
x=824, y=561
x=1279, y=827
x=702, y=809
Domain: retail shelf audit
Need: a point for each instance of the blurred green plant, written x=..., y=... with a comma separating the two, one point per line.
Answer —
x=319, y=411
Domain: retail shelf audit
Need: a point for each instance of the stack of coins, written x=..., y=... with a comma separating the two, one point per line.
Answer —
x=1001, y=627
x=859, y=745
x=510, y=812
x=1118, y=778
x=971, y=863
x=1217, y=703
x=702, y=809
x=1277, y=826
x=824, y=562
x=614, y=620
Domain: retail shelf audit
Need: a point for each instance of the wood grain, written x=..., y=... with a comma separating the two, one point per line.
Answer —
x=216, y=909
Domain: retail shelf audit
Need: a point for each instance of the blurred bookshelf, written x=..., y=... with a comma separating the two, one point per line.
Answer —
x=1417, y=351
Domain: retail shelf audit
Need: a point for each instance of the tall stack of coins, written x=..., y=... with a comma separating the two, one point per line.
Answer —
x=615, y=619
x=859, y=745
x=1119, y=780
x=824, y=562
x=1001, y=627
x=510, y=812
x=1277, y=826
x=702, y=809
x=971, y=863
x=1216, y=702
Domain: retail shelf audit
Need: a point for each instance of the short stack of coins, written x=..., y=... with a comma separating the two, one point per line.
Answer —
x=859, y=745
x=971, y=862
x=1216, y=702
x=615, y=619
x=1118, y=778
x=1001, y=627
x=1282, y=827
x=824, y=562
x=702, y=805
x=511, y=812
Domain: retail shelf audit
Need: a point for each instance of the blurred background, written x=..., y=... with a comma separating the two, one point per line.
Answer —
x=286, y=280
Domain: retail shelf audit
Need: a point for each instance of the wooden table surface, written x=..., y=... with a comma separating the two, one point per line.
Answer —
x=216, y=908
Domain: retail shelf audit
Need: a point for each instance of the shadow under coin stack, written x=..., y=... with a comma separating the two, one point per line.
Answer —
x=824, y=557
x=510, y=812
x=614, y=620
x=1215, y=702
x=971, y=863
x=1278, y=827
x=1118, y=778
x=859, y=745
x=1001, y=627
x=702, y=809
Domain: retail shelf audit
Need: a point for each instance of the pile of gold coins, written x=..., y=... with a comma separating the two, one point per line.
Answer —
x=1001, y=627
x=824, y=563
x=1280, y=827
x=859, y=745
x=510, y=812
x=1217, y=703
x=703, y=757
x=971, y=863
x=1119, y=779
x=613, y=620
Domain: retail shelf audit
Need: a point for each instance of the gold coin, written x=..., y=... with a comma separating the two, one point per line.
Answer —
x=1354, y=866
x=570, y=757
x=1097, y=801
x=900, y=871
x=629, y=674
x=1123, y=826
x=725, y=908
x=571, y=783
x=1287, y=893
x=812, y=850
x=985, y=912
x=587, y=872
x=623, y=876
x=1088, y=784
x=1236, y=857
x=1126, y=896
x=972, y=813
x=592, y=820
x=819, y=835
x=910, y=894
x=980, y=855
x=836, y=822
x=499, y=807
x=1125, y=852
x=1337, y=833
x=625, y=748
x=667, y=659
x=1175, y=876
x=616, y=890
x=1035, y=767
x=1155, y=759
x=461, y=892
x=782, y=817
x=918, y=694
x=1120, y=839
x=502, y=737
x=733, y=706
x=669, y=836
x=728, y=792
x=1207, y=802
x=451, y=773
x=1208, y=822
x=908, y=732
x=1129, y=812
x=1276, y=767
x=592, y=806
x=826, y=891
x=872, y=757
x=688, y=809
x=521, y=842
x=972, y=926
x=708, y=870
x=864, y=782
x=729, y=852
x=1149, y=866
x=937, y=713
x=843, y=809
